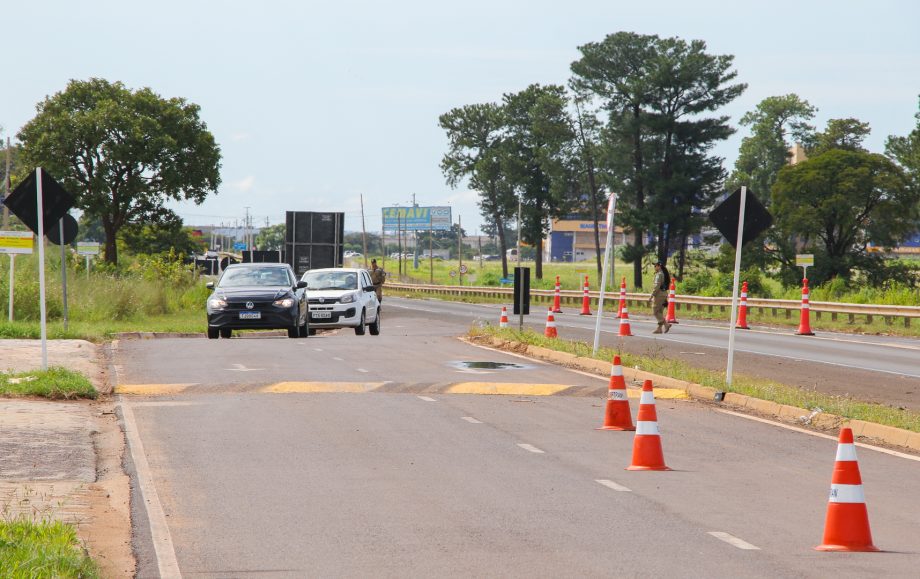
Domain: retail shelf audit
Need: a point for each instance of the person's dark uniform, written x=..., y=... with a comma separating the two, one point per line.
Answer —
x=378, y=276
x=659, y=297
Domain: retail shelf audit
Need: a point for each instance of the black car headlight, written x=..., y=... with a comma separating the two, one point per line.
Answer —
x=284, y=303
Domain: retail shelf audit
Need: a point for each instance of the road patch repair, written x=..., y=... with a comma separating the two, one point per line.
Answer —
x=823, y=422
x=61, y=460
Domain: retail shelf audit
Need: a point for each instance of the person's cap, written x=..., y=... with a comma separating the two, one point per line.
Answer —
x=659, y=263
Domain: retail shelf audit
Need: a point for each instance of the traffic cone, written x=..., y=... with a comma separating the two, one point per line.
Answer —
x=625, y=329
x=846, y=527
x=805, y=319
x=671, y=317
x=622, y=298
x=647, y=453
x=557, y=309
x=742, y=309
x=503, y=321
x=550, y=331
x=586, y=301
x=617, y=416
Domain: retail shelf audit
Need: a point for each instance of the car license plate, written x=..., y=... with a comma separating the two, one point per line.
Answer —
x=250, y=315
x=321, y=314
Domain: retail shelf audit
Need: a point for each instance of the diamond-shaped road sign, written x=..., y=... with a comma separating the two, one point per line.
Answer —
x=23, y=201
x=756, y=217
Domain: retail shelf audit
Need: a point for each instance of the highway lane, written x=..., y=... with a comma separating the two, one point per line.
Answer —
x=417, y=483
x=880, y=369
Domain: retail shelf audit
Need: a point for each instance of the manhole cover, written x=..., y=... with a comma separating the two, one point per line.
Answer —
x=488, y=366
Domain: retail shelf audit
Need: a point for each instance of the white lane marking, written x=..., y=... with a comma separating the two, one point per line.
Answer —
x=318, y=349
x=159, y=530
x=818, y=434
x=612, y=485
x=531, y=448
x=734, y=541
x=426, y=398
x=166, y=403
x=337, y=359
x=362, y=370
x=472, y=420
x=242, y=368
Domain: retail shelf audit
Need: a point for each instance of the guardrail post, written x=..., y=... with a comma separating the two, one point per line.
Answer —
x=852, y=318
x=833, y=316
x=868, y=318
x=906, y=322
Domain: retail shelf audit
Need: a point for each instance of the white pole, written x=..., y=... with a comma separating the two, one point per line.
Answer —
x=12, y=269
x=521, y=269
x=87, y=267
x=41, y=265
x=734, y=316
x=611, y=209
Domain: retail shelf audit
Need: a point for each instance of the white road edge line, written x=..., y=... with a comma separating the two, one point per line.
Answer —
x=612, y=485
x=818, y=434
x=531, y=448
x=471, y=420
x=426, y=398
x=734, y=541
x=159, y=530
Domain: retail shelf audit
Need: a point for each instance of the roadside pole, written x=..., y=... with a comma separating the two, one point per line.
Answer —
x=430, y=253
x=519, y=262
x=63, y=268
x=12, y=269
x=460, y=247
x=40, y=213
x=734, y=316
x=608, y=250
x=363, y=232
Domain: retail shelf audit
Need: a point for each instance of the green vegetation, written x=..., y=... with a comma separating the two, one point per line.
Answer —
x=55, y=383
x=42, y=549
x=758, y=388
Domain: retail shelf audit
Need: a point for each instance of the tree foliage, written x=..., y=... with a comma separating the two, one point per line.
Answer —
x=906, y=152
x=271, y=238
x=122, y=153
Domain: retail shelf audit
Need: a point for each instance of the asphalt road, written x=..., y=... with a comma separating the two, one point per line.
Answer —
x=269, y=459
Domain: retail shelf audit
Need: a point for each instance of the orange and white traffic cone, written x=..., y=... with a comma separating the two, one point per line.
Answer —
x=846, y=527
x=622, y=298
x=557, y=307
x=586, y=301
x=671, y=318
x=503, y=321
x=805, y=318
x=625, y=329
x=647, y=454
x=617, y=416
x=742, y=309
x=550, y=331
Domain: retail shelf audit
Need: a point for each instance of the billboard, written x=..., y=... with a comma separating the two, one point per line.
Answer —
x=416, y=218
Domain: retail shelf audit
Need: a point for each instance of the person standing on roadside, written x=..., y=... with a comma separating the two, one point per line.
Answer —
x=378, y=276
x=659, y=297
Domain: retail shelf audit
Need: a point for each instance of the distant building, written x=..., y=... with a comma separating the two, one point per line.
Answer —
x=796, y=154
x=572, y=240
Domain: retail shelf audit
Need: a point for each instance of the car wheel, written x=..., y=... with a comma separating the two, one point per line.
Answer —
x=213, y=333
x=293, y=331
x=375, y=327
x=226, y=332
x=359, y=329
x=312, y=331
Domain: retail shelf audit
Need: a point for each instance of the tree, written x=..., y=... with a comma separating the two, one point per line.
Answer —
x=161, y=237
x=656, y=93
x=271, y=238
x=474, y=134
x=838, y=201
x=906, y=152
x=843, y=134
x=122, y=153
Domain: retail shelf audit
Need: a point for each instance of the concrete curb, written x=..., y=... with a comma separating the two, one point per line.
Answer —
x=781, y=412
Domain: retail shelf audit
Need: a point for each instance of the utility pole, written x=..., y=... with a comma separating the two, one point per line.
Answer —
x=363, y=231
x=6, y=187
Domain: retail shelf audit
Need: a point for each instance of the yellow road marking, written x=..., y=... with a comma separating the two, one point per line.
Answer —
x=506, y=388
x=151, y=389
x=317, y=387
x=663, y=394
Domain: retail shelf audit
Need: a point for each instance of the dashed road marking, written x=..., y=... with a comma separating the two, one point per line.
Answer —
x=530, y=448
x=319, y=387
x=472, y=420
x=506, y=388
x=152, y=389
x=426, y=398
x=734, y=541
x=337, y=359
x=362, y=370
x=612, y=485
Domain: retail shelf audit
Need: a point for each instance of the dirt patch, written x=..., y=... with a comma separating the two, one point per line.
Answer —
x=77, y=355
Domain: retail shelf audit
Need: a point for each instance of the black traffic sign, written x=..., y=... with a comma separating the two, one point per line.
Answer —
x=756, y=217
x=71, y=227
x=23, y=202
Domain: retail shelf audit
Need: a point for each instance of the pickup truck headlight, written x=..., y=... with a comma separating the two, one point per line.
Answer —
x=217, y=304
x=284, y=302
x=347, y=298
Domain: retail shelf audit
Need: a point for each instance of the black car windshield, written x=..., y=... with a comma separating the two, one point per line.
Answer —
x=253, y=276
x=331, y=280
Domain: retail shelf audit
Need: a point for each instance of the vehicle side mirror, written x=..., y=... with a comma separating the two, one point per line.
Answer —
x=368, y=288
x=209, y=285
x=301, y=284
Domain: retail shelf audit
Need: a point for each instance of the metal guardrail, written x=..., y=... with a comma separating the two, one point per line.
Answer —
x=870, y=311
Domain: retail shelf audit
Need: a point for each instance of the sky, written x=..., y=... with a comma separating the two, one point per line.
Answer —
x=316, y=104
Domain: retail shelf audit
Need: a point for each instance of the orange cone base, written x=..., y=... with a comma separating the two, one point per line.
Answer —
x=556, y=310
x=847, y=529
x=800, y=333
x=846, y=548
x=615, y=428
x=647, y=454
x=633, y=467
x=747, y=328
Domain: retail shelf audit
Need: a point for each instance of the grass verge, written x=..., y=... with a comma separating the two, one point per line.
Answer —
x=42, y=549
x=756, y=387
x=99, y=331
x=54, y=383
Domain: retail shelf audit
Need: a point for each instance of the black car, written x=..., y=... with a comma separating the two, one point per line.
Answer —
x=258, y=296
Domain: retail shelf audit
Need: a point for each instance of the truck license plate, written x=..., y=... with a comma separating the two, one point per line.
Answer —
x=250, y=315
